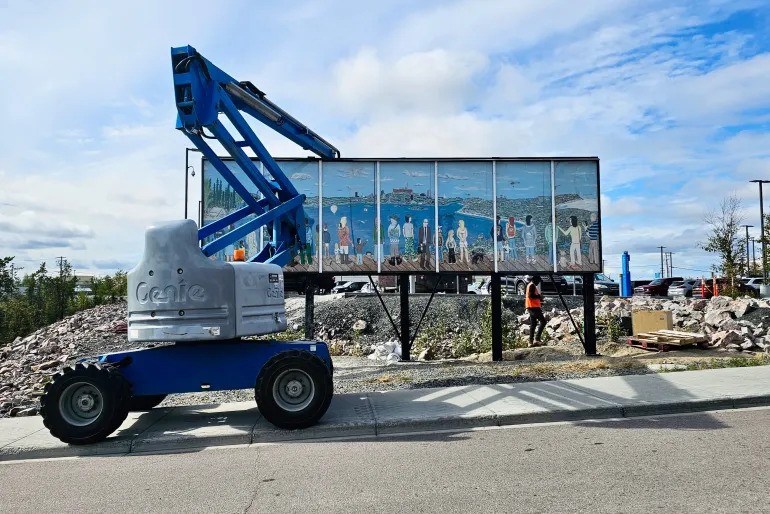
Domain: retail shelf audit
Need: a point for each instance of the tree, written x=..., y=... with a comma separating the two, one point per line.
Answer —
x=724, y=239
x=7, y=280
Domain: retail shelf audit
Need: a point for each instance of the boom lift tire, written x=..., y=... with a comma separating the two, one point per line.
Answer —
x=85, y=403
x=294, y=389
x=144, y=403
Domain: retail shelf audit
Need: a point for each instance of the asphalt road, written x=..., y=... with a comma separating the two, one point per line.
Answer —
x=708, y=462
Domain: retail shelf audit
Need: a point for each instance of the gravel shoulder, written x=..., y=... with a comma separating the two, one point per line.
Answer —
x=563, y=361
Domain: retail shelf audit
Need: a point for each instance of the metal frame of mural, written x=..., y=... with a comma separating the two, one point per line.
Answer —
x=458, y=216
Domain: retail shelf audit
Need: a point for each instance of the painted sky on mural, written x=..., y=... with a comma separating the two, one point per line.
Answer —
x=672, y=96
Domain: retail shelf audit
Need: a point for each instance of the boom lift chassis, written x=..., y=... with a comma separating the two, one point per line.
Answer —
x=196, y=311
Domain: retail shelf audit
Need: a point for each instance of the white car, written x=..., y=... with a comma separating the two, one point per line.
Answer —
x=481, y=287
x=753, y=282
x=682, y=287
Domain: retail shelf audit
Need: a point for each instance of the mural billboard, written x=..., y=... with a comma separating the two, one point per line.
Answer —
x=419, y=216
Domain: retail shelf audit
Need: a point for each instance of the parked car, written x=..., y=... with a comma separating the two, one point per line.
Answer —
x=349, y=287
x=480, y=287
x=603, y=285
x=83, y=289
x=753, y=282
x=517, y=285
x=706, y=289
x=297, y=282
x=682, y=288
x=658, y=287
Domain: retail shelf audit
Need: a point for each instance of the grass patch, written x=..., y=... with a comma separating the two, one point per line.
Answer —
x=762, y=359
x=576, y=367
x=387, y=378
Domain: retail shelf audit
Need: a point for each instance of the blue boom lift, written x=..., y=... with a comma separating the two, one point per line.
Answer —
x=197, y=310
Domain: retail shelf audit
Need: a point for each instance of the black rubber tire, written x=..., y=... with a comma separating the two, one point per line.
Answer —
x=315, y=369
x=113, y=389
x=144, y=403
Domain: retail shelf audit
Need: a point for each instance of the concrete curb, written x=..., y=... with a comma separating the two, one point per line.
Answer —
x=373, y=415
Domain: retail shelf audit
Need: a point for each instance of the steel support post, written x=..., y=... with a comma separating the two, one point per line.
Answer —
x=589, y=315
x=403, y=288
x=497, y=318
x=310, y=307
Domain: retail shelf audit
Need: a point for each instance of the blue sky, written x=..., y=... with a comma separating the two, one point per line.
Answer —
x=672, y=96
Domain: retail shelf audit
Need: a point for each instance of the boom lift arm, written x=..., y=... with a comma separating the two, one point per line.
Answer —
x=203, y=91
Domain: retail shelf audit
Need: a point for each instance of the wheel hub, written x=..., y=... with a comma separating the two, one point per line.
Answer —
x=86, y=402
x=81, y=403
x=294, y=388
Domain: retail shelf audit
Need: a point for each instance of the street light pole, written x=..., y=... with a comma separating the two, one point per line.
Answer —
x=661, y=260
x=186, y=171
x=747, y=246
x=762, y=227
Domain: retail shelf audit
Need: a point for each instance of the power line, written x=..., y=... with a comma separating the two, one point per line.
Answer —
x=692, y=269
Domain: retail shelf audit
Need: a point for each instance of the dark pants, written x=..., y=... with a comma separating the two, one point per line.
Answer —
x=535, y=316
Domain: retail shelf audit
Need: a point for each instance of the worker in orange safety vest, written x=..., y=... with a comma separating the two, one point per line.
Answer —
x=532, y=302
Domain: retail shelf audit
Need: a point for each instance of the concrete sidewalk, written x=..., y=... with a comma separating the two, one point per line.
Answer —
x=405, y=411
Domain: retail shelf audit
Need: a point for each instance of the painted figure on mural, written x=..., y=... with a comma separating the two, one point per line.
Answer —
x=327, y=239
x=529, y=236
x=394, y=236
x=306, y=253
x=498, y=237
x=593, y=239
x=439, y=242
x=337, y=255
x=462, y=238
x=510, y=236
x=451, y=247
x=478, y=252
x=360, y=244
x=573, y=231
x=548, y=233
x=408, y=231
x=343, y=234
x=424, y=239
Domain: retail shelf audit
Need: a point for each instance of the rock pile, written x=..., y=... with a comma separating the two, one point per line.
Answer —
x=741, y=324
x=359, y=326
x=27, y=364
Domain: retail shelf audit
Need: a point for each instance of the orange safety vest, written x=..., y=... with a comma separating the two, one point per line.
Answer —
x=531, y=303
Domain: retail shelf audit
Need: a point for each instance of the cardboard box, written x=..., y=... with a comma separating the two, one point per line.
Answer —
x=649, y=321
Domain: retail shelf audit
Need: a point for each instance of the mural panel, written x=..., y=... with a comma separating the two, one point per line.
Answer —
x=304, y=176
x=407, y=214
x=219, y=200
x=577, y=216
x=465, y=216
x=348, y=215
x=524, y=240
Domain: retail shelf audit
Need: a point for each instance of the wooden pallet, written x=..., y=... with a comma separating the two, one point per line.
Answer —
x=665, y=340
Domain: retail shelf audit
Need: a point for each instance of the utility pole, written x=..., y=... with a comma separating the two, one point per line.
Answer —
x=747, y=247
x=670, y=262
x=762, y=228
x=187, y=172
x=60, y=286
x=753, y=254
x=661, y=260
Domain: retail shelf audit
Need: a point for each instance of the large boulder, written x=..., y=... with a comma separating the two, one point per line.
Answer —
x=741, y=306
x=715, y=317
x=720, y=302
